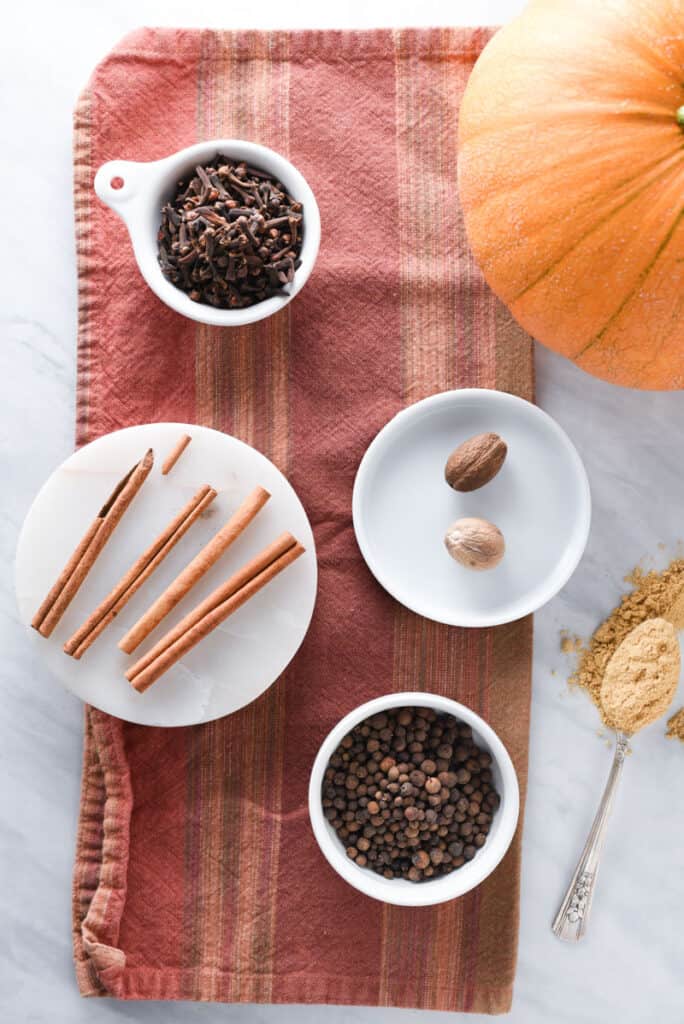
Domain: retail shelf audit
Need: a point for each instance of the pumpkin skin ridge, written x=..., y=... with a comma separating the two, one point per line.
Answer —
x=676, y=384
x=660, y=112
x=510, y=299
x=524, y=180
x=655, y=59
x=607, y=16
x=619, y=375
x=632, y=256
x=628, y=298
x=669, y=162
x=595, y=227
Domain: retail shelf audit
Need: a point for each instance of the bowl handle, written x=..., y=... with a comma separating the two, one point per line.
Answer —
x=117, y=182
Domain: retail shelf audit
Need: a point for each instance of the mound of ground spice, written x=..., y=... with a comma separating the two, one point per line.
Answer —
x=653, y=595
x=641, y=677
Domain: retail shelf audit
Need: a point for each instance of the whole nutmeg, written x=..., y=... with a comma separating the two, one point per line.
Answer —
x=475, y=462
x=475, y=543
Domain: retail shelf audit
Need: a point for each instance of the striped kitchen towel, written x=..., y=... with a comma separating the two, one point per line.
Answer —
x=197, y=875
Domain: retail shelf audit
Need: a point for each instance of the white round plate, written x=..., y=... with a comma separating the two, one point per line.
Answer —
x=240, y=659
x=539, y=500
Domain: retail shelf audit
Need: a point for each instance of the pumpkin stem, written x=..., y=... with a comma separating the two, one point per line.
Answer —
x=679, y=116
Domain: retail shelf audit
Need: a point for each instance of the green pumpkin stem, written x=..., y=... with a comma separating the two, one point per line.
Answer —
x=679, y=117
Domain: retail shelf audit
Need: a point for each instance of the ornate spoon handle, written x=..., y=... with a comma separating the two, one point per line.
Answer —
x=573, y=916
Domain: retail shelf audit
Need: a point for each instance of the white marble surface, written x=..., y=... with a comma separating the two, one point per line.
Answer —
x=629, y=967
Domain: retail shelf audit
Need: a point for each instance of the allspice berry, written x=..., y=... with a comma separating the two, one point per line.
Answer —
x=475, y=462
x=421, y=860
x=475, y=543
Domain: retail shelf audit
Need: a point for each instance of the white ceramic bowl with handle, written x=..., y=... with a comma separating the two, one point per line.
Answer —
x=137, y=192
x=399, y=891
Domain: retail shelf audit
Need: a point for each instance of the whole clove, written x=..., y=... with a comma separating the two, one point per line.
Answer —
x=231, y=236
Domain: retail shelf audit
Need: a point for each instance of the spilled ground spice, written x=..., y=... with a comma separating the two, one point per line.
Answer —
x=570, y=643
x=653, y=595
x=675, y=726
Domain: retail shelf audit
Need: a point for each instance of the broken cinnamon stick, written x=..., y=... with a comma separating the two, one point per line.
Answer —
x=173, y=456
x=140, y=571
x=194, y=571
x=98, y=533
x=208, y=615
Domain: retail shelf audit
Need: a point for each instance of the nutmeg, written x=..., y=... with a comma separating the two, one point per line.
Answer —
x=475, y=543
x=475, y=462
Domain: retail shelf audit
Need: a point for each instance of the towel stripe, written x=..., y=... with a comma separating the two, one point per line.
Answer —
x=242, y=388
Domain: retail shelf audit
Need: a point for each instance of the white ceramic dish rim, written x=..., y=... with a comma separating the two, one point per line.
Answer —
x=138, y=203
x=400, y=892
x=566, y=566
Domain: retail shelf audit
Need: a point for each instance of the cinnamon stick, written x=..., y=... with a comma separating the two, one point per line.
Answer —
x=138, y=573
x=98, y=533
x=173, y=456
x=146, y=671
x=194, y=571
x=257, y=564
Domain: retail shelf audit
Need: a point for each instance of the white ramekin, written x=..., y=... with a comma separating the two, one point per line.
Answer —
x=400, y=891
x=140, y=190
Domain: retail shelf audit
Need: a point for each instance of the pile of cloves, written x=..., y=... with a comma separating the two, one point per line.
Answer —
x=231, y=236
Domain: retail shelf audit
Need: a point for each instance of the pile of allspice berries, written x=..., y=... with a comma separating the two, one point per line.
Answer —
x=410, y=793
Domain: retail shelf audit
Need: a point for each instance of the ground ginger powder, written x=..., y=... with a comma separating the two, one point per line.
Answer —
x=641, y=678
x=653, y=595
x=675, y=726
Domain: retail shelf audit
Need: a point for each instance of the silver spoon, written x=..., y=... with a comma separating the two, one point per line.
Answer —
x=572, y=918
x=637, y=687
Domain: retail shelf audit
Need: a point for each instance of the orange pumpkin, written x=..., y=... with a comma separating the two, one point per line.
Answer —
x=571, y=177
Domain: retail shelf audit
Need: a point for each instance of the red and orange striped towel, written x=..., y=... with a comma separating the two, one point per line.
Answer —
x=197, y=876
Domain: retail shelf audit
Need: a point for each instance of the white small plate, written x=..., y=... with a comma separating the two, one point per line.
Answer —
x=240, y=659
x=540, y=500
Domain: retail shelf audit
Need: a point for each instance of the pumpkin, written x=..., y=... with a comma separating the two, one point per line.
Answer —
x=571, y=178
